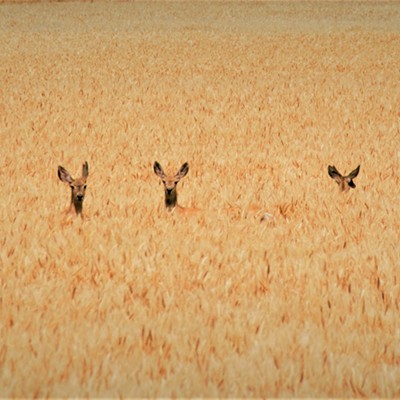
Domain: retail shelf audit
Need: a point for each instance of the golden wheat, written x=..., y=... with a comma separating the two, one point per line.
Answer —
x=259, y=98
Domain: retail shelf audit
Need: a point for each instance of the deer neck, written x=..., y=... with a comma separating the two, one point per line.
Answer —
x=344, y=187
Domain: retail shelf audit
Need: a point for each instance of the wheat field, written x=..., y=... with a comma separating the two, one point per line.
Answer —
x=259, y=98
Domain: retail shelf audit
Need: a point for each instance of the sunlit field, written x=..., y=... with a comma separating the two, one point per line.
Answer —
x=259, y=98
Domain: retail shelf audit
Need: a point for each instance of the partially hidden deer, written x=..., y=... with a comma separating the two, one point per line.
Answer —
x=78, y=187
x=170, y=183
x=170, y=190
x=344, y=182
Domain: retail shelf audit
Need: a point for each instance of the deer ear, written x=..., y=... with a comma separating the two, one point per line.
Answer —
x=183, y=171
x=351, y=184
x=354, y=173
x=64, y=175
x=334, y=173
x=158, y=170
x=85, y=170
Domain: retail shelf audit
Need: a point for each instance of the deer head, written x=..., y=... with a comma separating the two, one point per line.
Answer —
x=344, y=182
x=78, y=186
x=170, y=183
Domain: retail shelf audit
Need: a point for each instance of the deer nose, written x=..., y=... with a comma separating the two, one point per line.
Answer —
x=168, y=190
x=79, y=197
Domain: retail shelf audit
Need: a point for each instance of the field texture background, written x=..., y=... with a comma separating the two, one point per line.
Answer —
x=259, y=98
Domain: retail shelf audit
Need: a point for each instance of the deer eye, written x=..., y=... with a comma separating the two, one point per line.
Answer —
x=84, y=186
x=72, y=186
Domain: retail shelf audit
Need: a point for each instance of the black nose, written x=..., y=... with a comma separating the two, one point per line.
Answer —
x=79, y=197
x=168, y=191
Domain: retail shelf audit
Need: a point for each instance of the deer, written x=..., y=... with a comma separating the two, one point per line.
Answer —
x=344, y=182
x=78, y=187
x=170, y=184
x=170, y=190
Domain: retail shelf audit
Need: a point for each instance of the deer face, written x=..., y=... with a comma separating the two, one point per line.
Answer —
x=344, y=182
x=170, y=183
x=78, y=186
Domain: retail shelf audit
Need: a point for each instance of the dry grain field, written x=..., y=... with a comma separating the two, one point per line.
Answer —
x=259, y=98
